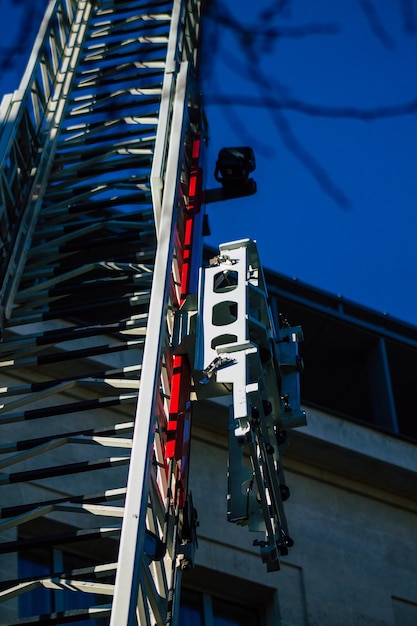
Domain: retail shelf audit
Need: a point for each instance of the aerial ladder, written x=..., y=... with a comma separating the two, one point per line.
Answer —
x=112, y=328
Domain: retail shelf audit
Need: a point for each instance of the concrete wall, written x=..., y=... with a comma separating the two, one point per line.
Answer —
x=354, y=562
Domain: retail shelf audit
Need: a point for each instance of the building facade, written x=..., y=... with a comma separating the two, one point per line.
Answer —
x=351, y=472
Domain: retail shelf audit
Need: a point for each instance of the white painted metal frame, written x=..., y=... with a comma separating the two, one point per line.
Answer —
x=48, y=328
x=126, y=590
x=238, y=353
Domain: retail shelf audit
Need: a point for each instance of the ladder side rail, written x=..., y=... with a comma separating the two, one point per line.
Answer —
x=182, y=29
x=132, y=536
x=23, y=98
x=42, y=40
x=191, y=31
x=165, y=113
x=41, y=156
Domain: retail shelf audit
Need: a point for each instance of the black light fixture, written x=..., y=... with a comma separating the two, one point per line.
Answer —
x=233, y=167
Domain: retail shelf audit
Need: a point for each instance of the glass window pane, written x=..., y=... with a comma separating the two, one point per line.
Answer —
x=230, y=614
x=71, y=600
x=37, y=562
x=191, y=613
x=34, y=564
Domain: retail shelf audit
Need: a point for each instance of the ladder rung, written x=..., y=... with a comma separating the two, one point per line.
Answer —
x=60, y=539
x=62, y=470
x=105, y=496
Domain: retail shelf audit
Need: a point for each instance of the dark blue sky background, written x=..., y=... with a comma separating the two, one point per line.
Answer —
x=353, y=230
x=336, y=205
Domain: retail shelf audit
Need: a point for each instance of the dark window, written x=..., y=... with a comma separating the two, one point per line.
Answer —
x=191, y=608
x=33, y=564
x=37, y=563
x=202, y=609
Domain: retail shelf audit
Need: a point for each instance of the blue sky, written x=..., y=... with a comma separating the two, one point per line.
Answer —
x=355, y=233
x=365, y=247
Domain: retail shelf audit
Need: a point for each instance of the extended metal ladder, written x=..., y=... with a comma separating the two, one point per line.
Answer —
x=100, y=172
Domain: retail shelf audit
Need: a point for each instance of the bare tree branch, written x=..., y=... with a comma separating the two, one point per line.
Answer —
x=291, y=142
x=310, y=163
x=220, y=14
x=292, y=104
x=28, y=22
x=409, y=16
x=232, y=116
x=273, y=96
x=277, y=7
x=375, y=24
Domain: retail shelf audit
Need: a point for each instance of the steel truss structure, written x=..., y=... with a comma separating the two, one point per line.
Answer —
x=100, y=192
